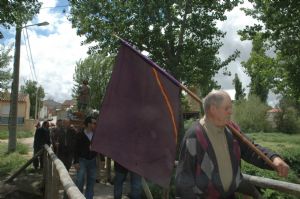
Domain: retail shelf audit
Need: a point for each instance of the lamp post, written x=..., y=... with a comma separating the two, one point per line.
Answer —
x=12, y=122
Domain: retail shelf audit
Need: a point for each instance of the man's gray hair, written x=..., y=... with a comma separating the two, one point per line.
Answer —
x=214, y=98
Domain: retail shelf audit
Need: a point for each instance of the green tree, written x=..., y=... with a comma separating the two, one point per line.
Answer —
x=280, y=21
x=5, y=74
x=36, y=95
x=181, y=36
x=97, y=70
x=239, y=90
x=259, y=67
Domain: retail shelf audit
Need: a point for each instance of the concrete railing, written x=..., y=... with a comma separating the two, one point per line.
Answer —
x=249, y=184
x=281, y=186
x=55, y=175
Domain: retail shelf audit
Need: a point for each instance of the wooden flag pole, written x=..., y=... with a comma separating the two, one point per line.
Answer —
x=235, y=132
x=251, y=145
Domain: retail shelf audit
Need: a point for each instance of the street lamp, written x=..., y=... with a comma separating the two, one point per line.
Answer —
x=45, y=23
x=12, y=123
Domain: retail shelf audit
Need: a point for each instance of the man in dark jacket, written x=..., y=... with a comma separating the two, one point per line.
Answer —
x=41, y=137
x=85, y=159
x=209, y=162
x=64, y=141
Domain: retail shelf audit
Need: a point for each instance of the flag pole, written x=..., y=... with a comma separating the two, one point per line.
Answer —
x=236, y=132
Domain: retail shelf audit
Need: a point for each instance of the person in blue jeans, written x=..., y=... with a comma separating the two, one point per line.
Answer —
x=135, y=182
x=85, y=159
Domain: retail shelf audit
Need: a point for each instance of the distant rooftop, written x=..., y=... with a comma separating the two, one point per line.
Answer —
x=68, y=103
x=274, y=110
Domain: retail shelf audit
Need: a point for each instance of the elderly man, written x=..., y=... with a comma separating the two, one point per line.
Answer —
x=209, y=162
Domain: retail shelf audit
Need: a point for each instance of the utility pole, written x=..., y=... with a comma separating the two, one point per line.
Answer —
x=12, y=121
x=13, y=112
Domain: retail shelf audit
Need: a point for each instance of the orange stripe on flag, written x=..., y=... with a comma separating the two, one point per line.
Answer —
x=167, y=102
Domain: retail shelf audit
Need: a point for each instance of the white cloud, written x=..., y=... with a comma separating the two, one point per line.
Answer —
x=236, y=20
x=55, y=50
x=231, y=93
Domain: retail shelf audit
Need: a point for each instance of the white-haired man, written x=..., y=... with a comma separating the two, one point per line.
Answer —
x=209, y=162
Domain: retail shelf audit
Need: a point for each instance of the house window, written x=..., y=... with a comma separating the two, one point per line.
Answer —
x=4, y=120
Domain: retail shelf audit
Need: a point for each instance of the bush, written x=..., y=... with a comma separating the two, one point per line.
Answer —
x=288, y=121
x=250, y=115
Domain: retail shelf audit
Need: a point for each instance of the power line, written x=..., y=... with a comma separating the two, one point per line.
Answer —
x=62, y=6
x=30, y=52
x=28, y=59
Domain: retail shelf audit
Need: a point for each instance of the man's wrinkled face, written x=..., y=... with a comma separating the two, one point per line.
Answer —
x=222, y=113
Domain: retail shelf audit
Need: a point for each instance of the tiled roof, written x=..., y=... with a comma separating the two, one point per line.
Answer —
x=68, y=103
x=6, y=97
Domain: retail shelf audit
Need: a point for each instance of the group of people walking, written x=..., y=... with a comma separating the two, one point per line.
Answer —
x=209, y=160
x=73, y=148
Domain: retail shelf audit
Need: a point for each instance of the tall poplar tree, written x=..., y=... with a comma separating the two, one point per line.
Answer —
x=239, y=90
x=36, y=95
x=180, y=36
x=279, y=25
x=259, y=68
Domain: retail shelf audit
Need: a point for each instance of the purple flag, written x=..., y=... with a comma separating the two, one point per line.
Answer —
x=139, y=116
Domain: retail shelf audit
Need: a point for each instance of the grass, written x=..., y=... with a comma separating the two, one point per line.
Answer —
x=288, y=147
x=13, y=161
x=277, y=141
x=20, y=134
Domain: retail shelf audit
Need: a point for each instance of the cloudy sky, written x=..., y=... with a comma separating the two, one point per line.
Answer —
x=56, y=48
